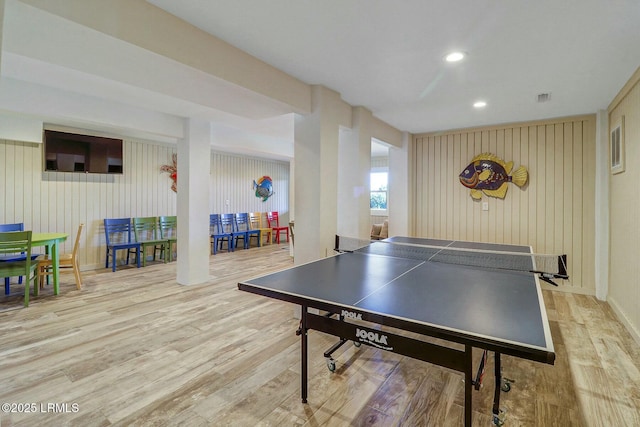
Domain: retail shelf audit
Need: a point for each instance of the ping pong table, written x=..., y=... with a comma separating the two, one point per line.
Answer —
x=401, y=284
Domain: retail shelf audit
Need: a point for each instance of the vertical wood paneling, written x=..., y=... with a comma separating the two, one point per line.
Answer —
x=578, y=170
x=58, y=201
x=232, y=179
x=624, y=270
x=554, y=212
x=508, y=212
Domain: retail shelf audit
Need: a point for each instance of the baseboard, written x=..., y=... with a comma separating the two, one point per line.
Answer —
x=624, y=319
x=567, y=288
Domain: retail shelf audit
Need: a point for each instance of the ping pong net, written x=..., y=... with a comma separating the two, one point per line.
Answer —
x=547, y=266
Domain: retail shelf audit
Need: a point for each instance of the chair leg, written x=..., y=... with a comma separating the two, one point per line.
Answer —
x=7, y=289
x=76, y=272
x=27, y=291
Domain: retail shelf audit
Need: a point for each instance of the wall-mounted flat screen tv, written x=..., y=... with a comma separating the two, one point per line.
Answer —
x=72, y=152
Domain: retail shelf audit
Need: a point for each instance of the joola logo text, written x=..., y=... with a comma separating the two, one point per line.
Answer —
x=351, y=315
x=374, y=338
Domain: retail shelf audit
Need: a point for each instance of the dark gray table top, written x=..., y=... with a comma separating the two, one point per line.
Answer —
x=500, y=305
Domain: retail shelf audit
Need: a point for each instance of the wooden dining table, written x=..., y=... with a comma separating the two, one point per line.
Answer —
x=51, y=242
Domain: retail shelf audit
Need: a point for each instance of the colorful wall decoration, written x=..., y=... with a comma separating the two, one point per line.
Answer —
x=173, y=171
x=489, y=174
x=263, y=187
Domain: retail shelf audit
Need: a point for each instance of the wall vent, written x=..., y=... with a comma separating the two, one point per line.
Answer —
x=544, y=97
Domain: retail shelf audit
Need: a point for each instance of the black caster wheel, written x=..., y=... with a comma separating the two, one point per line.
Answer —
x=498, y=419
x=331, y=365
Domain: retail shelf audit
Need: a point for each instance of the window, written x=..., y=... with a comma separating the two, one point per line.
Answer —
x=378, y=190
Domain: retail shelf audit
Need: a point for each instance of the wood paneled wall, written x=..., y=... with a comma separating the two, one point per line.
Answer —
x=554, y=212
x=232, y=178
x=59, y=201
x=624, y=267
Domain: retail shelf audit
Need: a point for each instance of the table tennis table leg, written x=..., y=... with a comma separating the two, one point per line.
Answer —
x=468, y=384
x=502, y=384
x=304, y=350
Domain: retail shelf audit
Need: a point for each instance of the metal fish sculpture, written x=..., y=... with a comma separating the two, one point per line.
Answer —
x=264, y=187
x=172, y=169
x=489, y=174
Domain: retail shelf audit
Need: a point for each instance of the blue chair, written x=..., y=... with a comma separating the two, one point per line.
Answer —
x=228, y=224
x=19, y=226
x=244, y=230
x=218, y=236
x=118, y=234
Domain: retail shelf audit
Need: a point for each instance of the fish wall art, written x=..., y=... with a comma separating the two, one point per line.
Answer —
x=489, y=174
x=172, y=169
x=263, y=187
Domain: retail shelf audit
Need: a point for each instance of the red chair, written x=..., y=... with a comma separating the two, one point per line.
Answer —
x=274, y=223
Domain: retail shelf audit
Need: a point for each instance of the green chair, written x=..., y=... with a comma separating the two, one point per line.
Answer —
x=169, y=232
x=12, y=242
x=147, y=234
x=19, y=226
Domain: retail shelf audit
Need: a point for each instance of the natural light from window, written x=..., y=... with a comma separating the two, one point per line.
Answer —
x=379, y=190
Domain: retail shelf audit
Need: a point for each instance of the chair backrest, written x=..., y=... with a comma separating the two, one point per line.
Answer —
x=272, y=219
x=145, y=228
x=255, y=219
x=215, y=227
x=76, y=244
x=228, y=223
x=12, y=242
x=117, y=230
x=18, y=226
x=168, y=227
x=242, y=222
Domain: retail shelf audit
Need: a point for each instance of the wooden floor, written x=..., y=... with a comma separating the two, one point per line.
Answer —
x=135, y=348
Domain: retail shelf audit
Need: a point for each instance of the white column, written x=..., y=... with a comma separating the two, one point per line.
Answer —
x=316, y=174
x=194, y=167
x=354, y=166
x=399, y=188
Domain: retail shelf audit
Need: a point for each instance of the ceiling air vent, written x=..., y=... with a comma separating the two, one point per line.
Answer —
x=544, y=97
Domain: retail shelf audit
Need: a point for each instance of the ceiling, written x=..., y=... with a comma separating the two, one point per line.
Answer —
x=388, y=56
x=385, y=56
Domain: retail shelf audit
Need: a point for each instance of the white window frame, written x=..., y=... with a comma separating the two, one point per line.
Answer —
x=379, y=212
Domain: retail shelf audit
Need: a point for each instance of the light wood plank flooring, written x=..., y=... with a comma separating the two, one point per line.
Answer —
x=135, y=348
